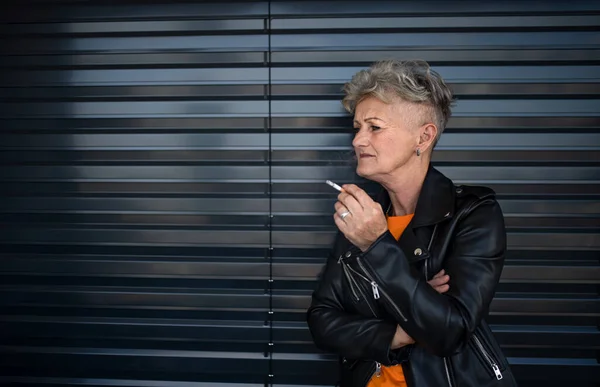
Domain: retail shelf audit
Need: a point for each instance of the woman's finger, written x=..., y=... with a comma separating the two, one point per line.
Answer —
x=350, y=202
x=359, y=194
x=339, y=222
x=442, y=289
x=340, y=208
x=439, y=274
x=439, y=280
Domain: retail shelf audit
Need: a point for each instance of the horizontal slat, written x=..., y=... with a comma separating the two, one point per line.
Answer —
x=143, y=237
x=124, y=27
x=57, y=11
x=318, y=8
x=128, y=188
x=146, y=77
x=137, y=109
x=258, y=42
x=183, y=142
x=24, y=125
x=143, y=329
x=147, y=156
x=109, y=266
x=133, y=298
x=506, y=55
x=433, y=22
x=130, y=173
x=453, y=74
x=99, y=382
x=138, y=59
x=95, y=361
x=381, y=41
x=241, y=206
x=206, y=91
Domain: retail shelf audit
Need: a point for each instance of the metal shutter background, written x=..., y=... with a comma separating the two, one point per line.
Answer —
x=163, y=167
x=136, y=194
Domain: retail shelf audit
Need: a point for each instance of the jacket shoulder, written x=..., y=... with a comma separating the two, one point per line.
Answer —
x=471, y=197
x=477, y=191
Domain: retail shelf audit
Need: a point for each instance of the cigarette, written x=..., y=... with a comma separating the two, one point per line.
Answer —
x=331, y=183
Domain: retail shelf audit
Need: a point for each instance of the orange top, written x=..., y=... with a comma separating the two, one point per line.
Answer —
x=392, y=376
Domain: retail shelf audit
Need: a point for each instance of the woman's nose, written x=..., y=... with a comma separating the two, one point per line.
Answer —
x=360, y=139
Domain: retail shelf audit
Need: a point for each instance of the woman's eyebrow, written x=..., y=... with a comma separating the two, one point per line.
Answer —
x=370, y=118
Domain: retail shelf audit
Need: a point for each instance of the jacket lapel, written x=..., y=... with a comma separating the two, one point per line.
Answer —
x=435, y=205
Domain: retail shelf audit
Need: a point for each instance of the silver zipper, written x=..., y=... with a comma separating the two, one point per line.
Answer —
x=489, y=359
x=377, y=290
x=447, y=372
x=347, y=268
x=373, y=284
x=351, y=281
x=378, y=369
x=367, y=302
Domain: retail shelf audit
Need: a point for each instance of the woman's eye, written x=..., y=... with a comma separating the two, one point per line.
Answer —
x=375, y=127
x=356, y=129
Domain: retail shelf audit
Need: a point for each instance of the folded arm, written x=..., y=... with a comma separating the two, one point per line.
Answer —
x=349, y=335
x=442, y=322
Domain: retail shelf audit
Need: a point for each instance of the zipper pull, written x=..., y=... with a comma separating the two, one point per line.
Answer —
x=375, y=290
x=497, y=371
x=340, y=260
x=378, y=369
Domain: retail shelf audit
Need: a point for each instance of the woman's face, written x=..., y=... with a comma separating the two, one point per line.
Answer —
x=387, y=136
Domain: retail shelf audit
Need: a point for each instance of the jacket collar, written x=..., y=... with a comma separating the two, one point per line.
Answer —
x=436, y=199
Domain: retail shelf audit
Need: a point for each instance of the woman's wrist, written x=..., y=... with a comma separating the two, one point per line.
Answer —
x=401, y=338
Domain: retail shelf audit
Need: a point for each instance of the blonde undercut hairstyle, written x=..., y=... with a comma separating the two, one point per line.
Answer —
x=410, y=80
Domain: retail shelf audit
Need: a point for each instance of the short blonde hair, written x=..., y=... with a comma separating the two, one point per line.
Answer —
x=410, y=80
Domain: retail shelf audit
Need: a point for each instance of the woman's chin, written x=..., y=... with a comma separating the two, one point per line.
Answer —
x=363, y=171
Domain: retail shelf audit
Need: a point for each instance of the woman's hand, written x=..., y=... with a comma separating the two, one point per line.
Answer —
x=440, y=283
x=364, y=221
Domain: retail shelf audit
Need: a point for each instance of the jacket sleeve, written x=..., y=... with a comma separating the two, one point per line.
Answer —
x=442, y=323
x=350, y=335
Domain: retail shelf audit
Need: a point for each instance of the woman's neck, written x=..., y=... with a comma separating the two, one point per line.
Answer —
x=404, y=189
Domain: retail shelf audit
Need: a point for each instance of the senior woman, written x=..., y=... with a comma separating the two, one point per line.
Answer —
x=403, y=297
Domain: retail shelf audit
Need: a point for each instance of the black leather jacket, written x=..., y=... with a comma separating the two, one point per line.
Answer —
x=361, y=297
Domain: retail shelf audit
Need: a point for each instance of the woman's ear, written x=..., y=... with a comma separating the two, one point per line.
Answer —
x=428, y=133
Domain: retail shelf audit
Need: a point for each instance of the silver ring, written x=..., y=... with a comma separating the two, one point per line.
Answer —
x=343, y=215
